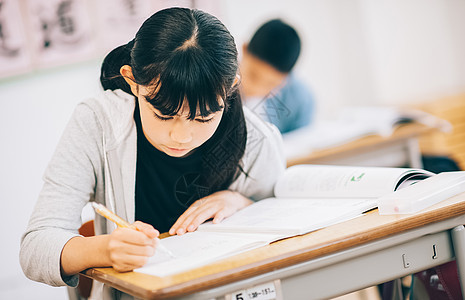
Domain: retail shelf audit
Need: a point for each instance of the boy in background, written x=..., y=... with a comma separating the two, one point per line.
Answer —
x=268, y=86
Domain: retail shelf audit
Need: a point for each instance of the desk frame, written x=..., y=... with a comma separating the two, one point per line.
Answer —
x=379, y=248
x=400, y=149
x=363, y=266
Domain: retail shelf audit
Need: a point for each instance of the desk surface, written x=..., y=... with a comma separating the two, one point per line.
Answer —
x=360, y=145
x=359, y=231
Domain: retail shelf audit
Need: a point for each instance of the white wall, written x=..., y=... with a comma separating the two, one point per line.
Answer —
x=355, y=52
x=416, y=48
x=34, y=110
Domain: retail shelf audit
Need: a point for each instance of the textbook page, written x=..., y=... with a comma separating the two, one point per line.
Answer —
x=326, y=181
x=291, y=216
x=195, y=249
x=310, y=197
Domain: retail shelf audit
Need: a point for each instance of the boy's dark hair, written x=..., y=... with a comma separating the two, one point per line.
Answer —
x=188, y=55
x=276, y=43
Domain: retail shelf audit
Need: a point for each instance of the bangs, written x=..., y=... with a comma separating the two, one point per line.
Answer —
x=187, y=78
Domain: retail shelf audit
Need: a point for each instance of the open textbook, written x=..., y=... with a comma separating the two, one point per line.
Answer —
x=307, y=198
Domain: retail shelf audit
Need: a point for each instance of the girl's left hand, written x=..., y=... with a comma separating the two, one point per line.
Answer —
x=218, y=206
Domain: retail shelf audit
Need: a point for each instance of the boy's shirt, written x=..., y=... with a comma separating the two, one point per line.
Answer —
x=289, y=108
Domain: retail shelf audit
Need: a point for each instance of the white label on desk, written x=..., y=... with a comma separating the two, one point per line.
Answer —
x=266, y=291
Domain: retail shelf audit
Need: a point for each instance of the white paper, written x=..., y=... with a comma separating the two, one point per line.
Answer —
x=195, y=249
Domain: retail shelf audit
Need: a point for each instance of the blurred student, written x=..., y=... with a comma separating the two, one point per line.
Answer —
x=268, y=85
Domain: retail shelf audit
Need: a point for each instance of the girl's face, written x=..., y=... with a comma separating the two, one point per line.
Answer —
x=175, y=135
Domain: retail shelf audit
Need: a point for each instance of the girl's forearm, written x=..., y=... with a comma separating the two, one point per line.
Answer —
x=81, y=253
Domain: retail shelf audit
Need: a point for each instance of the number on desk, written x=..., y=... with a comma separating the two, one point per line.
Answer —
x=266, y=291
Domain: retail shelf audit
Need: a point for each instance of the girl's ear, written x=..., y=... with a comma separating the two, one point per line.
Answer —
x=126, y=72
x=244, y=47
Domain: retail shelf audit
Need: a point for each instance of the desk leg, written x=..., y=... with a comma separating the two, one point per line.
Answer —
x=397, y=293
x=414, y=153
x=458, y=241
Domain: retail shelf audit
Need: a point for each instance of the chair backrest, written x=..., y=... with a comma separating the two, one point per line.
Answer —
x=85, y=284
x=452, y=144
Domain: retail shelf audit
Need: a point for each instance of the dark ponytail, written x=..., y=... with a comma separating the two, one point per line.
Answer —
x=110, y=76
x=188, y=57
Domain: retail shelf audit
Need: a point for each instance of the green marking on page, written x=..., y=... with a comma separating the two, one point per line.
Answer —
x=357, y=178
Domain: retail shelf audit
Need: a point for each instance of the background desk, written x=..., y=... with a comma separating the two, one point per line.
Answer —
x=399, y=149
x=326, y=263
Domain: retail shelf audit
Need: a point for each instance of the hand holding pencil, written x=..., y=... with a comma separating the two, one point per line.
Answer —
x=129, y=249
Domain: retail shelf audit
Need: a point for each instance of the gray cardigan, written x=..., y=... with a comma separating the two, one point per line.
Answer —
x=95, y=160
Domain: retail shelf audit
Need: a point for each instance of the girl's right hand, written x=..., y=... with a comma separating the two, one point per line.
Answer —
x=129, y=249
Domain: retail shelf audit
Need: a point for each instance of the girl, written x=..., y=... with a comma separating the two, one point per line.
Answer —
x=167, y=144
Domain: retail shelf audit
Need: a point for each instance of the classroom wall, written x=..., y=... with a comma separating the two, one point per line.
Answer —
x=416, y=48
x=355, y=52
x=33, y=112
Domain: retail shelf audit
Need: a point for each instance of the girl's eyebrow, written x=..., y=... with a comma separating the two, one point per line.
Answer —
x=197, y=113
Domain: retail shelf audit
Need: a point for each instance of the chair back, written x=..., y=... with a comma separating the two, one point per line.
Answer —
x=85, y=284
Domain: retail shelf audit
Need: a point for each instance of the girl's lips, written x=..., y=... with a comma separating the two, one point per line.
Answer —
x=176, y=149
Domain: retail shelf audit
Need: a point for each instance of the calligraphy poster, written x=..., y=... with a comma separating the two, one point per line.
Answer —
x=60, y=31
x=14, y=53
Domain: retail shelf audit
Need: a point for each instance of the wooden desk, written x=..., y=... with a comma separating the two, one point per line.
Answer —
x=326, y=263
x=399, y=149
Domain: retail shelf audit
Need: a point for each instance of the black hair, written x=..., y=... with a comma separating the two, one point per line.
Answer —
x=276, y=43
x=188, y=55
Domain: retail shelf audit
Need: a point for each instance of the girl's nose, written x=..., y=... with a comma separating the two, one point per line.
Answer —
x=180, y=132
